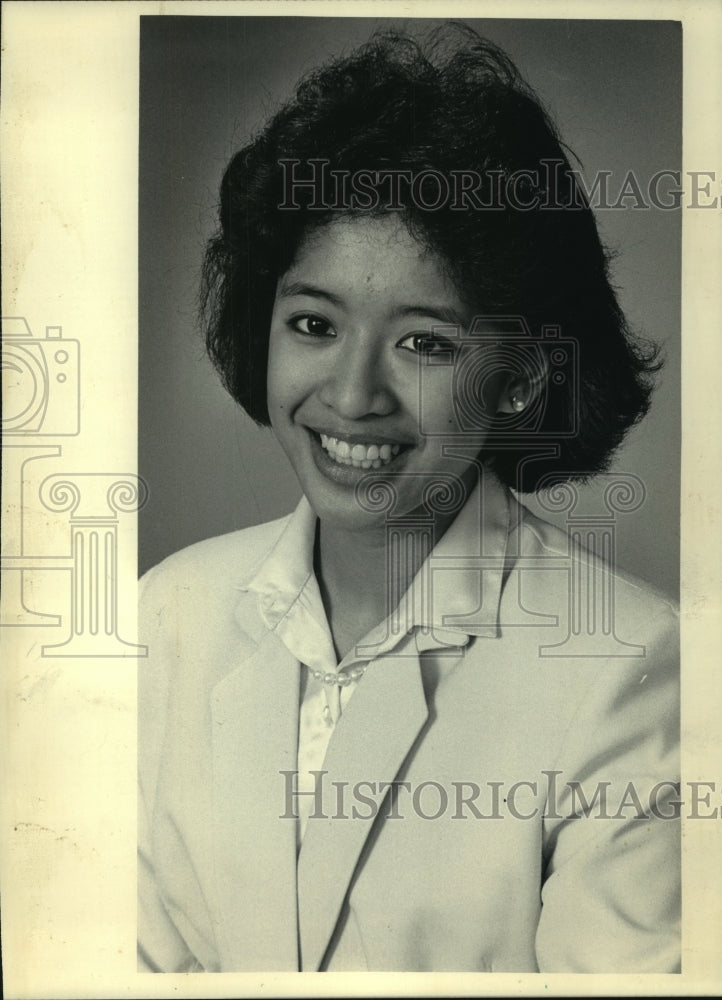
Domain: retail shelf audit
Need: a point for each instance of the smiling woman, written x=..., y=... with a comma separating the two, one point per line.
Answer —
x=412, y=726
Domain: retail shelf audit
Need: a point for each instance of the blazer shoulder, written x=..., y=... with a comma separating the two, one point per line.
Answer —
x=230, y=557
x=194, y=614
x=635, y=599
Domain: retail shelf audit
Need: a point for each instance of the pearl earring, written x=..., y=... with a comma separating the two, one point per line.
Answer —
x=517, y=403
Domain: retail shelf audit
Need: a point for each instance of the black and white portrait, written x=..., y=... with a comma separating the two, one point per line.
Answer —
x=393, y=717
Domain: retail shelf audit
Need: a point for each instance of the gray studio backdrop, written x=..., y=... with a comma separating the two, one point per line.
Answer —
x=207, y=83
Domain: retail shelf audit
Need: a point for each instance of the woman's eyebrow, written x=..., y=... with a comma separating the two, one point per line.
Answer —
x=445, y=314
x=287, y=291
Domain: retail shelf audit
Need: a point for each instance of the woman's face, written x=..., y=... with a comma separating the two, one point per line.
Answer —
x=351, y=392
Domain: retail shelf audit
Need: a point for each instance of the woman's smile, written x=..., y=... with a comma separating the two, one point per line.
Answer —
x=360, y=456
x=345, y=460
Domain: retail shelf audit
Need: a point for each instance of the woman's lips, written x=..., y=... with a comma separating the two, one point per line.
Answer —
x=342, y=460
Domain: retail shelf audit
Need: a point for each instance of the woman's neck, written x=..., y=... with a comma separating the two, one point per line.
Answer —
x=359, y=587
x=351, y=565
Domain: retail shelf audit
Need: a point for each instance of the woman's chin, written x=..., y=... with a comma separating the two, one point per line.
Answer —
x=345, y=496
x=357, y=498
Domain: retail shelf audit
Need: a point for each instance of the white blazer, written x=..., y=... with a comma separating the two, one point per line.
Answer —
x=573, y=861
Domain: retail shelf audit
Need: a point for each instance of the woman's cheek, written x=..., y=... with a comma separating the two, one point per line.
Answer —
x=434, y=402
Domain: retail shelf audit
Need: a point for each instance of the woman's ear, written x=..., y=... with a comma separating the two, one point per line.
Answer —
x=519, y=392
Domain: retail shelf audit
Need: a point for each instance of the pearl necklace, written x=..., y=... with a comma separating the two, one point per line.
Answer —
x=342, y=679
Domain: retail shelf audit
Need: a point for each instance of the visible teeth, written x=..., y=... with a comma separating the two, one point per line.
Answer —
x=360, y=456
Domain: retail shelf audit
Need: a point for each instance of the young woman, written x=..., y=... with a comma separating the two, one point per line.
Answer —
x=412, y=726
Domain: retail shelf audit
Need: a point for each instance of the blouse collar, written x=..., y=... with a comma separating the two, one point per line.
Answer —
x=455, y=594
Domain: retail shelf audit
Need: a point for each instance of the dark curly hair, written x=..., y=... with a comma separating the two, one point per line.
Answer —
x=453, y=104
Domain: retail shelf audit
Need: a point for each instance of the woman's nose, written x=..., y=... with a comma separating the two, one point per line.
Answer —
x=356, y=385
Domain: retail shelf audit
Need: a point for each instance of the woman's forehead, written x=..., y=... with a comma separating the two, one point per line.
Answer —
x=370, y=254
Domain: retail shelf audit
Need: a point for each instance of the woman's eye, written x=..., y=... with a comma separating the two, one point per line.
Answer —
x=426, y=344
x=312, y=326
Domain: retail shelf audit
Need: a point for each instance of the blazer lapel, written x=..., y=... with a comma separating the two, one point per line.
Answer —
x=370, y=744
x=255, y=737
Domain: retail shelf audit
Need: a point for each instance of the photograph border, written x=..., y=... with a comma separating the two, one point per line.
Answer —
x=68, y=806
